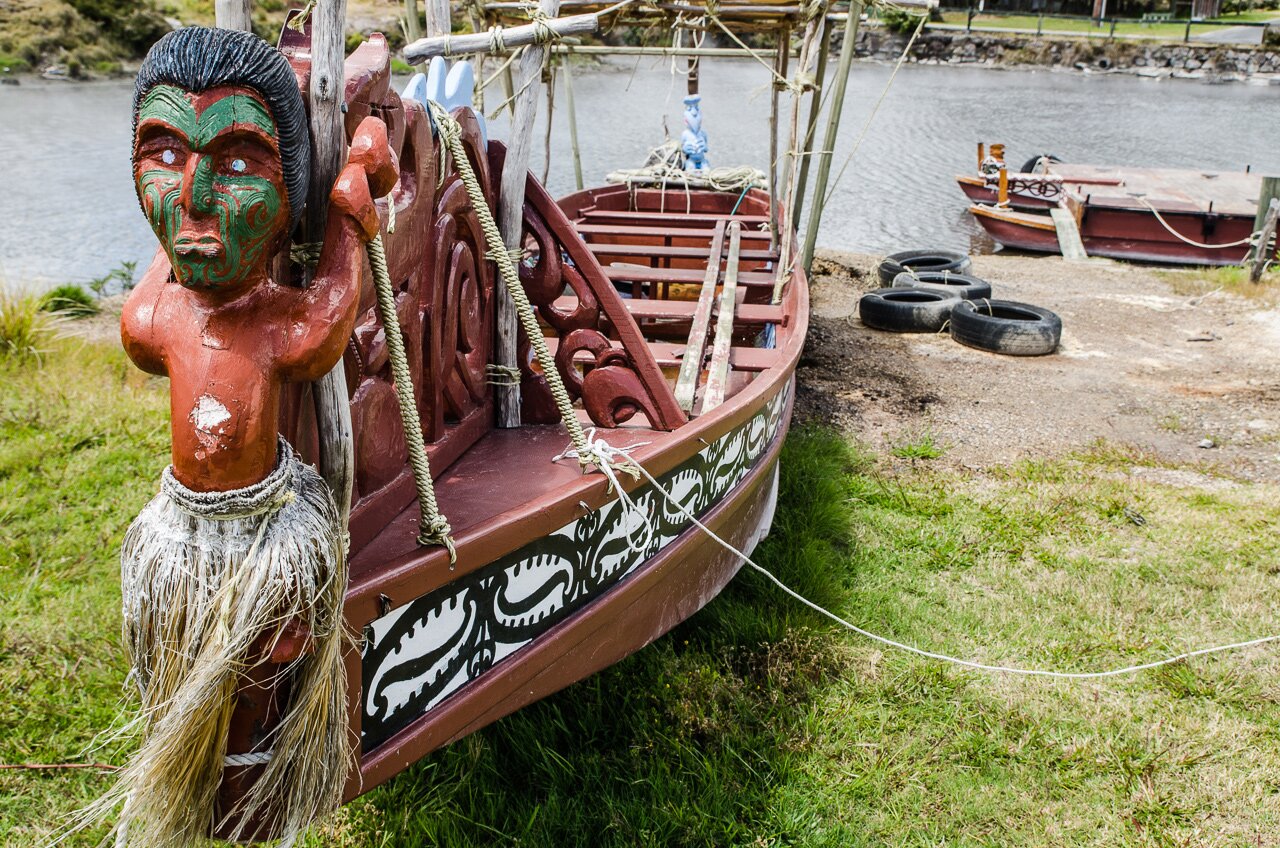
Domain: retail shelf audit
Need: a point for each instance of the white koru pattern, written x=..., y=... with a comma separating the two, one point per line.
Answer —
x=419, y=654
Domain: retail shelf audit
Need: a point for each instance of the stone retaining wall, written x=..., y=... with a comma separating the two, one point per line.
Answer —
x=1217, y=63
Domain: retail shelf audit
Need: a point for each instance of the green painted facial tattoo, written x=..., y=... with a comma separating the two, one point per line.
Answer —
x=208, y=175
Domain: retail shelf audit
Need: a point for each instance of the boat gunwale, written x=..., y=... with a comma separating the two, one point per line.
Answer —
x=382, y=589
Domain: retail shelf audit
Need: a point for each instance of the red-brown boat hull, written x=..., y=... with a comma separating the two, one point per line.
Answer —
x=1131, y=234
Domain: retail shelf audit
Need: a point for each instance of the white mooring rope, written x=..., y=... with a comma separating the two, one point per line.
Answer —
x=599, y=448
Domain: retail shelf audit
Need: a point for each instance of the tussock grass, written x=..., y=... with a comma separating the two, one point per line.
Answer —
x=27, y=329
x=755, y=723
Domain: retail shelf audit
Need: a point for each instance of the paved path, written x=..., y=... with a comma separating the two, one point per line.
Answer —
x=1232, y=35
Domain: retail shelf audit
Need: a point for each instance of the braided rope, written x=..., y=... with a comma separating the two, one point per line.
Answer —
x=496, y=44
x=434, y=529
x=260, y=758
x=1240, y=243
x=451, y=135
x=306, y=253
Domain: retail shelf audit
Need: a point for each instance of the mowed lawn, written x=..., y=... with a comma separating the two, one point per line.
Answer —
x=755, y=723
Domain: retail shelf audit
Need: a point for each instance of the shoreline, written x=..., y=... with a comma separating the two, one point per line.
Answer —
x=1203, y=61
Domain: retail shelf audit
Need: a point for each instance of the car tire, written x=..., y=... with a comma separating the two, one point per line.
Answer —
x=907, y=310
x=1030, y=166
x=1007, y=327
x=969, y=288
x=922, y=260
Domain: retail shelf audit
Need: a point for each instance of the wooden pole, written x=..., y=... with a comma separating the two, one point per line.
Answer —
x=412, y=27
x=833, y=126
x=511, y=209
x=328, y=151
x=1270, y=190
x=439, y=18
x=811, y=124
x=233, y=14
x=780, y=67
x=480, y=42
x=573, y=120
x=1262, y=251
x=792, y=170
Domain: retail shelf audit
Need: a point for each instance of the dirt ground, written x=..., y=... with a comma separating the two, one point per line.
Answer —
x=1152, y=359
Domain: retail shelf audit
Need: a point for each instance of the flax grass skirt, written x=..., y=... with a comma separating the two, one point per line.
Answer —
x=208, y=580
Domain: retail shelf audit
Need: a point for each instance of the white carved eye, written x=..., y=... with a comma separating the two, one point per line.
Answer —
x=238, y=166
x=168, y=156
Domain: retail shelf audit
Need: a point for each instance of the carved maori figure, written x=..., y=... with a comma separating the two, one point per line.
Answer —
x=239, y=561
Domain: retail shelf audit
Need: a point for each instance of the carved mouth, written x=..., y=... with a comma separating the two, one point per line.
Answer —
x=206, y=246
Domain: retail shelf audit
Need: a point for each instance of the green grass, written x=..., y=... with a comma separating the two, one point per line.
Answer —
x=1199, y=282
x=27, y=328
x=1073, y=26
x=755, y=723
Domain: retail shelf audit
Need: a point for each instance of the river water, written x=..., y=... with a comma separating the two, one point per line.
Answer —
x=70, y=213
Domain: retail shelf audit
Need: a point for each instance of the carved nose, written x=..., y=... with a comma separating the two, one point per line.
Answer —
x=197, y=184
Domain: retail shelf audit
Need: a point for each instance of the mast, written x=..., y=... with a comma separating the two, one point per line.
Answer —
x=328, y=150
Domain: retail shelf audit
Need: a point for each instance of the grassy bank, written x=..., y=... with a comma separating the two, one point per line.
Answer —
x=1172, y=30
x=755, y=723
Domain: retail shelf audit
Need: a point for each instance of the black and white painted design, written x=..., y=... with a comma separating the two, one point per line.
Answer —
x=419, y=654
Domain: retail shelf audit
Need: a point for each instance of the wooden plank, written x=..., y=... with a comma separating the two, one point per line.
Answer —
x=1069, y=241
x=1263, y=251
x=748, y=360
x=516, y=36
x=751, y=360
x=658, y=251
x=682, y=276
x=671, y=219
x=749, y=314
x=659, y=232
x=718, y=371
x=511, y=209
x=691, y=366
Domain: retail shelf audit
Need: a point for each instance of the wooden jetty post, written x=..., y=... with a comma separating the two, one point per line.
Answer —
x=412, y=29
x=827, y=152
x=511, y=207
x=1262, y=251
x=233, y=14
x=328, y=152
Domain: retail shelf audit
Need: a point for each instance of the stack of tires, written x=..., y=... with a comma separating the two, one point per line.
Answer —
x=929, y=291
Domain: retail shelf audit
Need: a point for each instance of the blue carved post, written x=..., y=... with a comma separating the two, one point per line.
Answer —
x=693, y=142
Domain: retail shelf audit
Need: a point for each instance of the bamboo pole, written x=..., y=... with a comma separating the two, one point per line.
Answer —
x=573, y=120
x=833, y=126
x=328, y=150
x=233, y=14
x=511, y=209
x=811, y=125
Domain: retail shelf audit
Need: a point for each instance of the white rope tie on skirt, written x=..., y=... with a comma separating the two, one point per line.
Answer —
x=619, y=456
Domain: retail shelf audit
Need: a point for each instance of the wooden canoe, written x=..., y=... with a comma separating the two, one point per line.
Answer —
x=555, y=577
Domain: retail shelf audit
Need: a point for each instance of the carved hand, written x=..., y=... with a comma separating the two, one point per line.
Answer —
x=371, y=171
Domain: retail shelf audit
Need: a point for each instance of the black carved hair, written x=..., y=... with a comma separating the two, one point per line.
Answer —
x=200, y=58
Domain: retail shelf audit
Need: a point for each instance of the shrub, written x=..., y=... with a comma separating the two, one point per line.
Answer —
x=69, y=300
x=25, y=328
x=900, y=22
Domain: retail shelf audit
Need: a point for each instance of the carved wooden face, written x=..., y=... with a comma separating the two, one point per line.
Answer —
x=208, y=173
